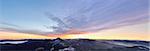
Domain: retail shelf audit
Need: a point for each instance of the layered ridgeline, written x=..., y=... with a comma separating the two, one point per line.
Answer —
x=73, y=45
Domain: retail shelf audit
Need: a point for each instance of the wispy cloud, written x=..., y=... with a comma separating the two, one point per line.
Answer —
x=9, y=24
x=93, y=15
x=97, y=16
x=15, y=28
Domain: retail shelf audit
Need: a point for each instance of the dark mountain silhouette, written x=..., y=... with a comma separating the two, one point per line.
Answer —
x=74, y=44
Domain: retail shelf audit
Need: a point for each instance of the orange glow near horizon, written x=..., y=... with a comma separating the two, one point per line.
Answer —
x=126, y=33
x=134, y=32
x=6, y=35
x=111, y=36
x=15, y=35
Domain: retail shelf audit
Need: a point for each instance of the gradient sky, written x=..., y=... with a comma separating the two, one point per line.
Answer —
x=114, y=17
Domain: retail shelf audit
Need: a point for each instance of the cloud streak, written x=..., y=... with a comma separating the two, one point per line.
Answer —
x=92, y=16
x=97, y=17
x=15, y=28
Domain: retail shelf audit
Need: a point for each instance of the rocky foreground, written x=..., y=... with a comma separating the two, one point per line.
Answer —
x=73, y=45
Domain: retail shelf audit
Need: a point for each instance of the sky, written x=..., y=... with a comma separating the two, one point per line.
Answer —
x=94, y=19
